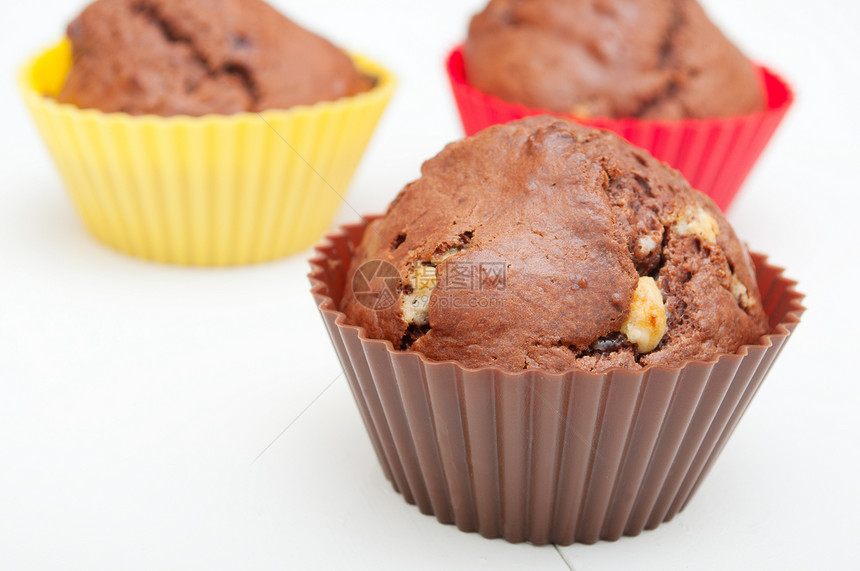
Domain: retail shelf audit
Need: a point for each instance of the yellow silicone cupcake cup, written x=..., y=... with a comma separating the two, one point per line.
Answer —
x=217, y=190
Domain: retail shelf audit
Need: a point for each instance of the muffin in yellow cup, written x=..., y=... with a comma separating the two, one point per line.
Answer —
x=215, y=190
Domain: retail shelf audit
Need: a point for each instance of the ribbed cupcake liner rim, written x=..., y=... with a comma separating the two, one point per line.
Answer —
x=545, y=458
x=382, y=89
x=715, y=155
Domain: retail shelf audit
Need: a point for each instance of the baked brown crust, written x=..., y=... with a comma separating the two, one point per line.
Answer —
x=577, y=217
x=195, y=57
x=614, y=58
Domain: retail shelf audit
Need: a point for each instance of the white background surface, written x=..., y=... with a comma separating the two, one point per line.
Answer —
x=134, y=398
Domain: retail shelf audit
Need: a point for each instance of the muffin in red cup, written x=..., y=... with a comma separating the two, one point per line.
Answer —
x=550, y=336
x=660, y=74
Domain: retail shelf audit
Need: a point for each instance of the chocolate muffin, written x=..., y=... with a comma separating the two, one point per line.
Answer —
x=647, y=59
x=195, y=57
x=542, y=244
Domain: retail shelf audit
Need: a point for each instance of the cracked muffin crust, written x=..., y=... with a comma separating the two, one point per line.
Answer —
x=542, y=244
x=647, y=59
x=195, y=57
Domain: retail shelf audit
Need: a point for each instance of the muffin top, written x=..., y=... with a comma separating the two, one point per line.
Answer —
x=542, y=244
x=646, y=59
x=194, y=57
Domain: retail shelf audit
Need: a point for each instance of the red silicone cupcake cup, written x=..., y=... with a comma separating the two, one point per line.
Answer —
x=715, y=155
x=538, y=457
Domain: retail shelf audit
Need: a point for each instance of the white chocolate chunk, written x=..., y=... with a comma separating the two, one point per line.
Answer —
x=698, y=223
x=646, y=323
x=646, y=244
x=438, y=259
x=415, y=305
x=739, y=290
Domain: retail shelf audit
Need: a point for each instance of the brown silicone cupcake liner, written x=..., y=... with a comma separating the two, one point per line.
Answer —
x=538, y=457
